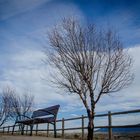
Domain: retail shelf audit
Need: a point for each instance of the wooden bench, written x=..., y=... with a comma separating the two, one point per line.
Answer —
x=46, y=115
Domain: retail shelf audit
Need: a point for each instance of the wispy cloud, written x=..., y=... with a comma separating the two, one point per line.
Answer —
x=15, y=7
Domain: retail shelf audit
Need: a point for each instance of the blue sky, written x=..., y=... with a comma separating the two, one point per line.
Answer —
x=23, y=28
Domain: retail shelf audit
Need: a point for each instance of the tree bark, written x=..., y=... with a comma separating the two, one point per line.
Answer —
x=90, y=130
x=90, y=126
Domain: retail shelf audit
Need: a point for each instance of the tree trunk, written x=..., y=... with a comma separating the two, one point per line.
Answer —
x=90, y=135
x=90, y=129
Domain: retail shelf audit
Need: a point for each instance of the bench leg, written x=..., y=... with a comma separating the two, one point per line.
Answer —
x=54, y=130
x=31, y=129
x=22, y=129
x=13, y=129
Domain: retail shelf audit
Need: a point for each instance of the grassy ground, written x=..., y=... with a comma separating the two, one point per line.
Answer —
x=7, y=137
x=69, y=136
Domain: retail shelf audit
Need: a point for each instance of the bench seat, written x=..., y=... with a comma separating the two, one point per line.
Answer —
x=37, y=120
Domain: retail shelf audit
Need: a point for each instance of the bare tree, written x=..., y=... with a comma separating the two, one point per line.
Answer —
x=13, y=106
x=5, y=105
x=90, y=63
x=21, y=105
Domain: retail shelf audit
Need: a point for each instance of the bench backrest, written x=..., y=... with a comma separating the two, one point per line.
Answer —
x=53, y=110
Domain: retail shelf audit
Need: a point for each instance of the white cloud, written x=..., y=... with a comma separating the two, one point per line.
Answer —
x=27, y=71
x=127, y=98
